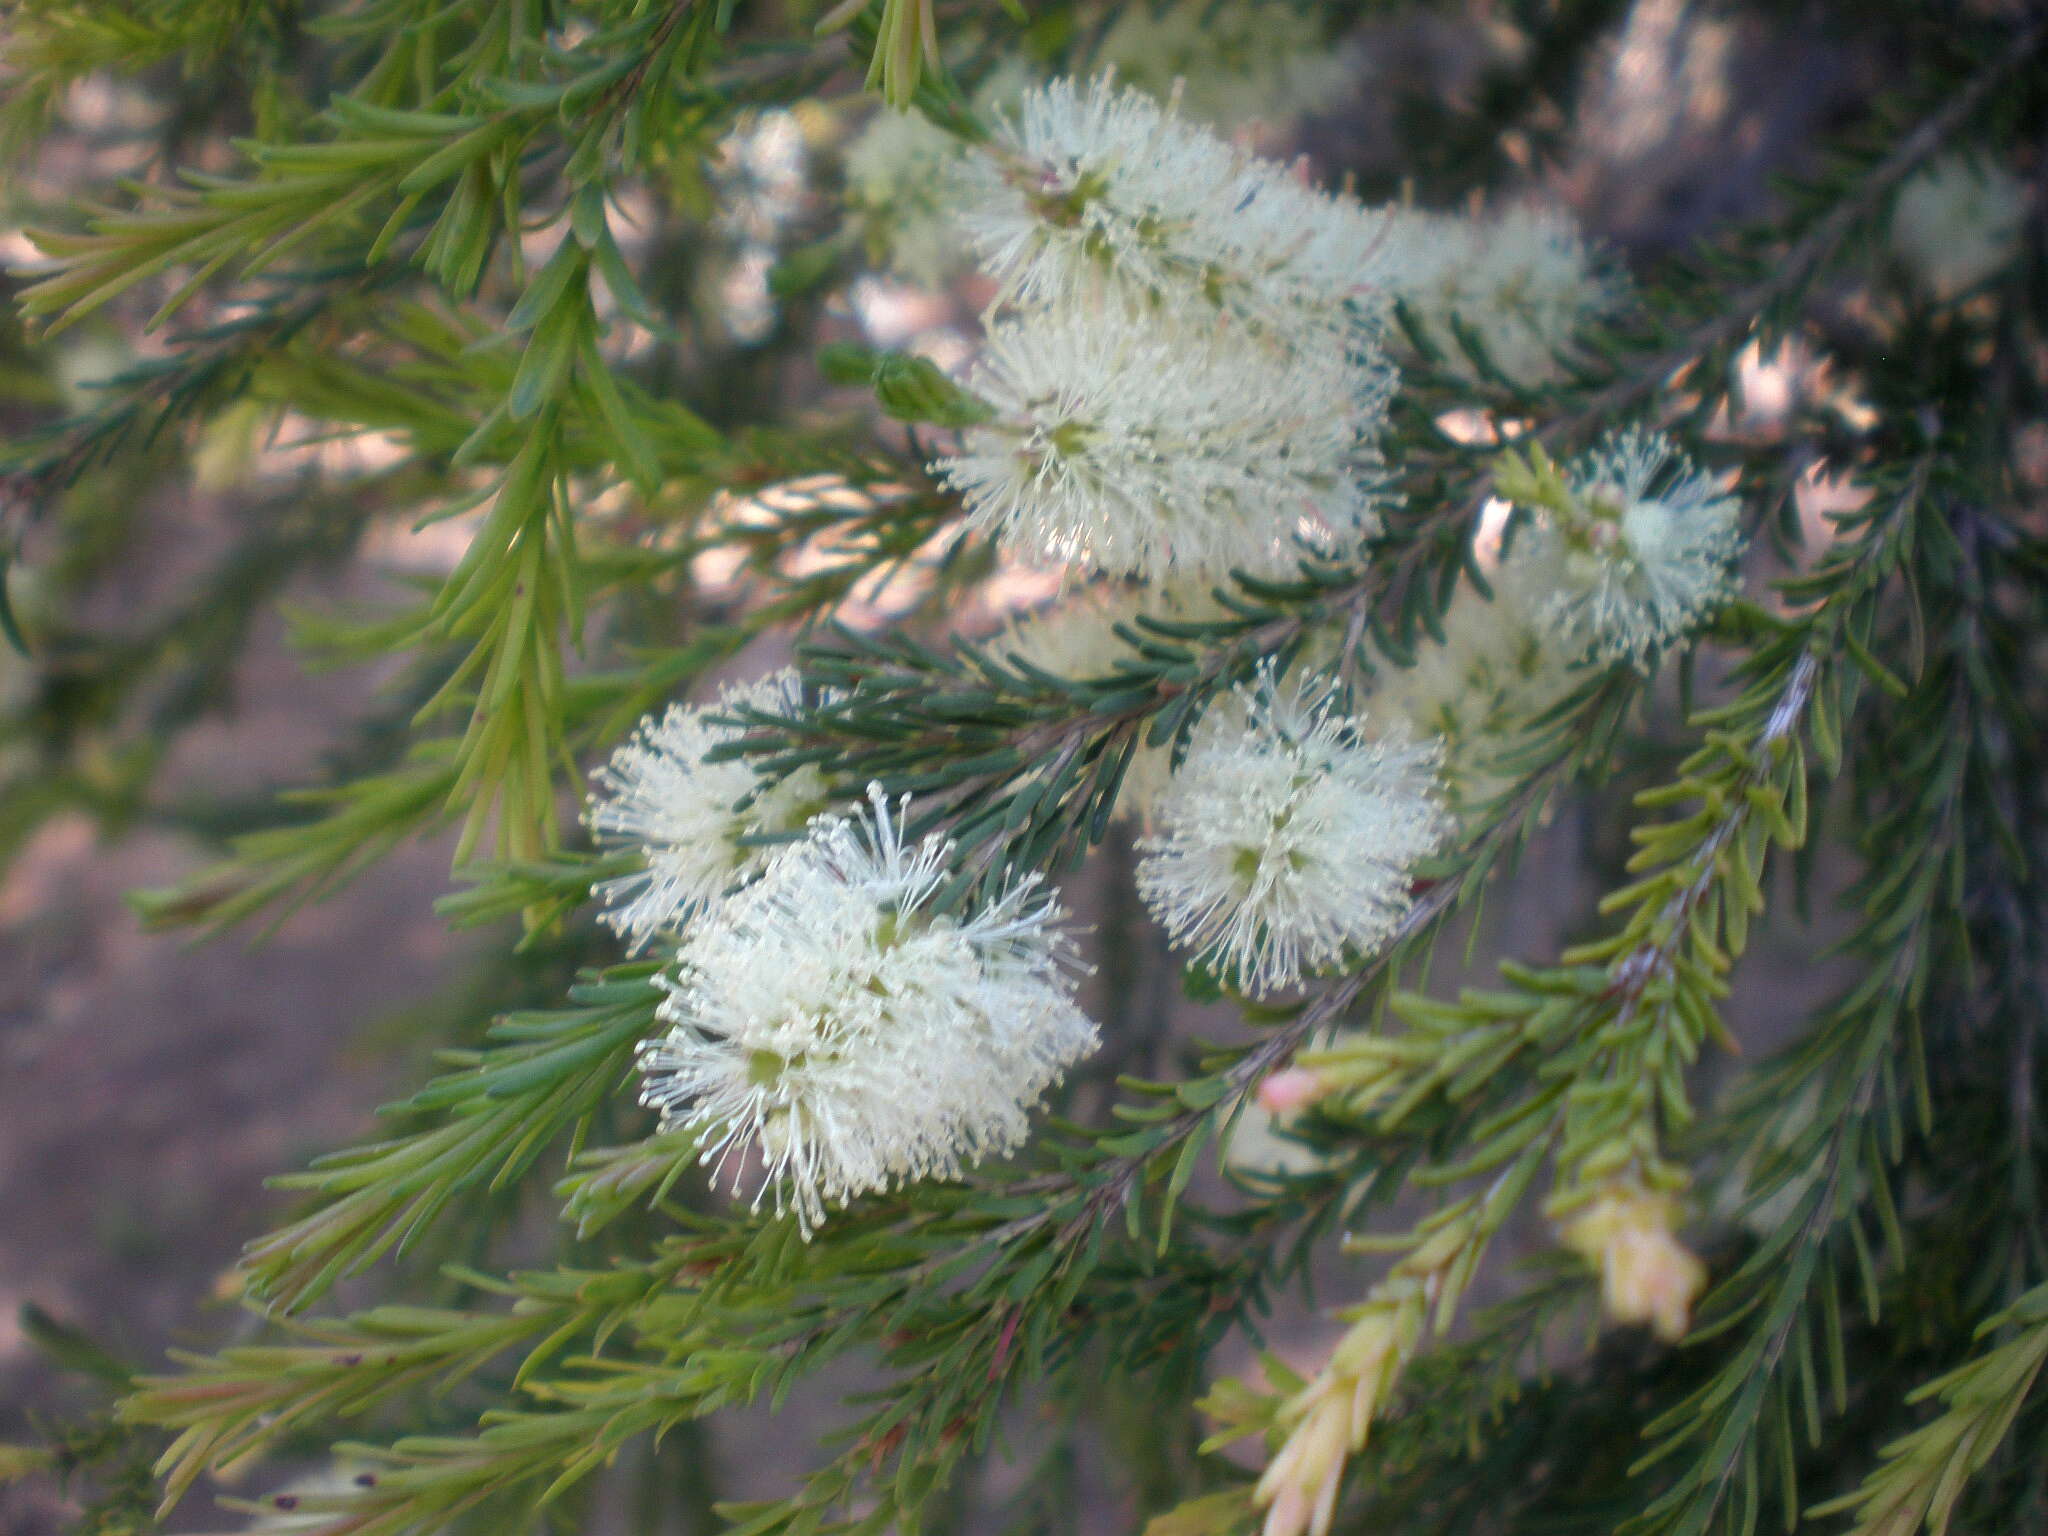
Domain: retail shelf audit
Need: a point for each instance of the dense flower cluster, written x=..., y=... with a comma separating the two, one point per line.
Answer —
x=1519, y=286
x=1186, y=370
x=853, y=1037
x=1155, y=443
x=688, y=818
x=1183, y=379
x=1648, y=547
x=1101, y=187
x=825, y=1021
x=1286, y=837
x=1223, y=63
x=1183, y=371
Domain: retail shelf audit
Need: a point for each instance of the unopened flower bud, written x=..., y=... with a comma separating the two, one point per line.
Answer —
x=1291, y=1089
x=1332, y=1414
x=1646, y=1274
x=1303, y=1480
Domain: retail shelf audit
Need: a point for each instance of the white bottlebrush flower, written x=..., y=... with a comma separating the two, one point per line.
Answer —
x=1233, y=63
x=1425, y=256
x=686, y=817
x=1524, y=282
x=1158, y=444
x=1957, y=222
x=1355, y=256
x=1651, y=553
x=1286, y=838
x=829, y=1020
x=1102, y=187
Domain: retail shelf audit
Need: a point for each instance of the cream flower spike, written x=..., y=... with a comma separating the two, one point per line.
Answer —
x=1656, y=556
x=685, y=816
x=1287, y=837
x=1100, y=187
x=1160, y=445
x=1523, y=281
x=828, y=1021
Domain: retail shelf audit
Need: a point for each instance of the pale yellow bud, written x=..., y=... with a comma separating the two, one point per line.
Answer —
x=1331, y=1416
x=1300, y=1487
x=1652, y=1277
x=1646, y=1274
